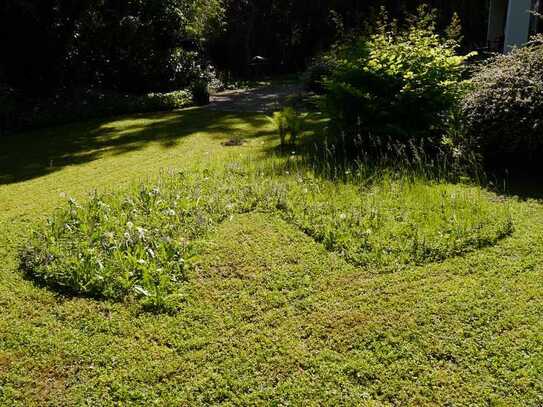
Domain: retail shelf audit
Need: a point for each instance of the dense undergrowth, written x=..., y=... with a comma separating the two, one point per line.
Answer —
x=138, y=244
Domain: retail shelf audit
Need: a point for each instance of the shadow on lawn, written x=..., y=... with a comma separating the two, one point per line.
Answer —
x=41, y=152
x=524, y=183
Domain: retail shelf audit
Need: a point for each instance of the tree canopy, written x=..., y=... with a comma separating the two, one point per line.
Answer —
x=140, y=46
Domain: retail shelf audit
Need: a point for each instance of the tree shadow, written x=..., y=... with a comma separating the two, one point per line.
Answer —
x=523, y=182
x=41, y=152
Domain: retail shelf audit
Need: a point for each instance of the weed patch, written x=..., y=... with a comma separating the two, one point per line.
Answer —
x=138, y=244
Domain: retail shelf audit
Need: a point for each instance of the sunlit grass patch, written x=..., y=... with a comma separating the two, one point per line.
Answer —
x=137, y=244
x=395, y=222
x=131, y=244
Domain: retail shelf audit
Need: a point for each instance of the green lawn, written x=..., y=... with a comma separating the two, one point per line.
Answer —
x=279, y=307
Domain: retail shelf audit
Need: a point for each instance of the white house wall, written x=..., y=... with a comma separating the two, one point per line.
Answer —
x=517, y=28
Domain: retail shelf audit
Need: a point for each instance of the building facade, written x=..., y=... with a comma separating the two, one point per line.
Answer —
x=512, y=22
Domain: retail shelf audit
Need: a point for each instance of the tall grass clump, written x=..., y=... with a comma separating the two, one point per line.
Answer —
x=394, y=220
x=289, y=121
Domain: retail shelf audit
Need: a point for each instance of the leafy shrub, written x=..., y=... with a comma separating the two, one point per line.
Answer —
x=288, y=121
x=397, y=85
x=87, y=104
x=164, y=101
x=503, y=111
x=138, y=245
x=315, y=76
x=200, y=92
x=278, y=120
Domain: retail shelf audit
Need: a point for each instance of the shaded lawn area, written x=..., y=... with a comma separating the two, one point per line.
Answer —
x=271, y=316
x=41, y=152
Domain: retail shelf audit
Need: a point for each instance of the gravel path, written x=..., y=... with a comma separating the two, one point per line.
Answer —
x=263, y=99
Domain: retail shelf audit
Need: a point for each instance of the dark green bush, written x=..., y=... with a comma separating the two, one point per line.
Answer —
x=87, y=104
x=8, y=107
x=394, y=86
x=200, y=92
x=315, y=76
x=503, y=111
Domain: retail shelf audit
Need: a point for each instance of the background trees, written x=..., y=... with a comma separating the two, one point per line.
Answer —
x=128, y=45
x=140, y=46
x=290, y=32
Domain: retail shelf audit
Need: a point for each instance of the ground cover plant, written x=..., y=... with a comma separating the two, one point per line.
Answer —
x=267, y=312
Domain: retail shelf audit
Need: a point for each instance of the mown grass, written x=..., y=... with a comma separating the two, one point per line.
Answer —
x=278, y=306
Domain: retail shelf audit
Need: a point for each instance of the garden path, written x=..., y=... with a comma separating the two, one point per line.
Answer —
x=262, y=99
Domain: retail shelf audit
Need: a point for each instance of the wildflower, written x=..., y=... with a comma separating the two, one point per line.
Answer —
x=141, y=261
x=141, y=232
x=73, y=202
x=140, y=290
x=129, y=225
x=342, y=216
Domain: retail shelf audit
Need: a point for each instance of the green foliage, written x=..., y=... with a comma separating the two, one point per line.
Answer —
x=454, y=31
x=157, y=102
x=200, y=92
x=396, y=222
x=134, y=245
x=93, y=104
x=315, y=75
x=278, y=120
x=289, y=121
x=397, y=85
x=295, y=123
x=267, y=314
x=291, y=33
x=131, y=46
x=503, y=111
x=137, y=245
